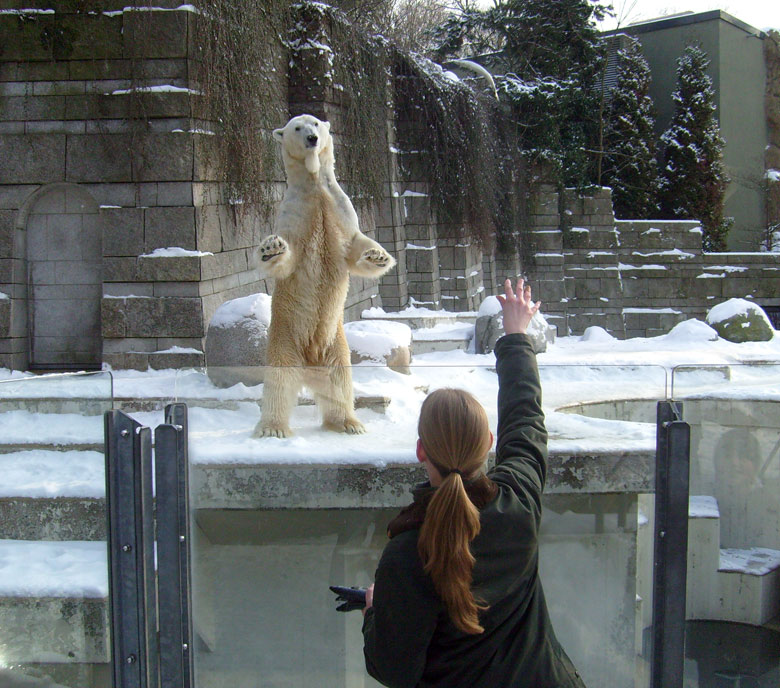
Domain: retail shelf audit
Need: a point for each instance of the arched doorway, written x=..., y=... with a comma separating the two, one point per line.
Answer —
x=64, y=279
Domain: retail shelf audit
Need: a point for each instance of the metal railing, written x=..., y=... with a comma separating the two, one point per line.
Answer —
x=148, y=551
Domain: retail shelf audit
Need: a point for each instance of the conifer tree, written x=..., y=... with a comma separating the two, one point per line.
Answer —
x=693, y=182
x=550, y=53
x=630, y=166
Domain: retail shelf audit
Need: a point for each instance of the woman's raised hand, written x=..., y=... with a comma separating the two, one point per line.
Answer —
x=518, y=308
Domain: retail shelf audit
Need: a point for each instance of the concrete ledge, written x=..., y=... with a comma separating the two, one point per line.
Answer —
x=58, y=518
x=54, y=629
x=362, y=486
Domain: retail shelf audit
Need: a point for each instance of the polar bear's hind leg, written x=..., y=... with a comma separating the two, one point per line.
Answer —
x=280, y=394
x=332, y=393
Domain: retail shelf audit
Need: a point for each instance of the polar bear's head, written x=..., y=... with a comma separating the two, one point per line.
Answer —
x=305, y=138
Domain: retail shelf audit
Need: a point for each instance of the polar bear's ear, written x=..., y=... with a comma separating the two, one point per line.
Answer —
x=326, y=125
x=278, y=134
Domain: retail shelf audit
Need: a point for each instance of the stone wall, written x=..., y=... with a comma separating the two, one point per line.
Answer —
x=72, y=160
x=634, y=278
x=64, y=119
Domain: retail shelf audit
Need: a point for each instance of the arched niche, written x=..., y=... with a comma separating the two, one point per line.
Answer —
x=64, y=261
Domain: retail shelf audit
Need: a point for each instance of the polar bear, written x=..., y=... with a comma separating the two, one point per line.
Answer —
x=316, y=244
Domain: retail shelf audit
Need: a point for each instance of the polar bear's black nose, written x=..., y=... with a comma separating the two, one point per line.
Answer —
x=311, y=139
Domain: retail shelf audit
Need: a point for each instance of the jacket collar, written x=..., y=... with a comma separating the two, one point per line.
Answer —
x=481, y=491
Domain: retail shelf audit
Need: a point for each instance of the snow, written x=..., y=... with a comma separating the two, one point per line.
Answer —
x=21, y=427
x=444, y=331
x=757, y=561
x=489, y=306
x=178, y=350
x=162, y=88
x=46, y=473
x=733, y=307
x=375, y=339
x=411, y=312
x=53, y=569
x=253, y=307
x=180, y=8
x=175, y=252
x=575, y=369
x=703, y=506
x=4, y=296
x=692, y=331
x=27, y=11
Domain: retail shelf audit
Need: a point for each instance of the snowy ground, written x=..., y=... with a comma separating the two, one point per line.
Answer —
x=574, y=369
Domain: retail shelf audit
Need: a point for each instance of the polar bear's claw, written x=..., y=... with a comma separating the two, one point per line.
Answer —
x=272, y=247
x=354, y=427
x=351, y=426
x=376, y=257
x=272, y=431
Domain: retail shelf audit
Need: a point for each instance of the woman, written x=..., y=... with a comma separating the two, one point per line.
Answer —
x=457, y=600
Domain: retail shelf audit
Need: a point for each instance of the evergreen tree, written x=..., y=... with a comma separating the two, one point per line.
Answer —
x=551, y=54
x=630, y=166
x=693, y=182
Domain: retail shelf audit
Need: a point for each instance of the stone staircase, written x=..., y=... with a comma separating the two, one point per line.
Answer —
x=53, y=594
x=53, y=564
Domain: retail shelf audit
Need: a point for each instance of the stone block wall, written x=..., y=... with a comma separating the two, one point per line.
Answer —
x=65, y=120
x=634, y=278
x=72, y=159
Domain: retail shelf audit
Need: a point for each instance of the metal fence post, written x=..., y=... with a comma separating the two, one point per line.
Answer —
x=670, y=556
x=132, y=593
x=173, y=551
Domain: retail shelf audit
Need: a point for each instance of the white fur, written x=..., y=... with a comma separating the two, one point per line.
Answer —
x=317, y=243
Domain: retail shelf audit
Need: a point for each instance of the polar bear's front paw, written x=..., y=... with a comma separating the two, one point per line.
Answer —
x=376, y=257
x=272, y=247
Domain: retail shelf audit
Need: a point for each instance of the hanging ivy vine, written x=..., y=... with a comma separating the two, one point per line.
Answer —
x=462, y=142
x=240, y=71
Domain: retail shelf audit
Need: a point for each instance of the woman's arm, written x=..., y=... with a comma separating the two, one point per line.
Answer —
x=521, y=447
x=398, y=626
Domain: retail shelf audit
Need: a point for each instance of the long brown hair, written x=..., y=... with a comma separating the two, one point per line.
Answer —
x=455, y=435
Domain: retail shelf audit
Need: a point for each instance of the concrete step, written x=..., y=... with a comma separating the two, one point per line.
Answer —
x=53, y=602
x=748, y=585
x=421, y=318
x=738, y=585
x=25, y=430
x=443, y=337
x=52, y=495
x=703, y=556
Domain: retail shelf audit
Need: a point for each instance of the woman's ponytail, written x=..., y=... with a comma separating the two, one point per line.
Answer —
x=455, y=434
x=451, y=523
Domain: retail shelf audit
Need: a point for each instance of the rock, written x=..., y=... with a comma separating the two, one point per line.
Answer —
x=237, y=339
x=739, y=320
x=490, y=327
x=381, y=341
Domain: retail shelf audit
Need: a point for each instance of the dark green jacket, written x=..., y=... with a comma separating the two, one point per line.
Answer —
x=409, y=638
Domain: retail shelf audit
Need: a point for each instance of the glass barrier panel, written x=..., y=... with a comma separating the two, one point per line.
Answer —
x=747, y=379
x=53, y=568
x=278, y=520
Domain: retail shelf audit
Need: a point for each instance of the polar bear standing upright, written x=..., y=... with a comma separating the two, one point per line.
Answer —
x=316, y=245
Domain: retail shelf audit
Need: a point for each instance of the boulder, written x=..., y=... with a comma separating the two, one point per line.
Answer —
x=739, y=320
x=380, y=341
x=490, y=326
x=237, y=340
